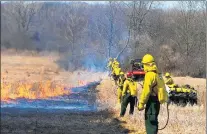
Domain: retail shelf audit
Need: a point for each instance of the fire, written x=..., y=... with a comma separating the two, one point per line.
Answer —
x=28, y=90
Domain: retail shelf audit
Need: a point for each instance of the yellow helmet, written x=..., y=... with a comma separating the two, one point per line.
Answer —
x=148, y=58
x=121, y=73
x=167, y=74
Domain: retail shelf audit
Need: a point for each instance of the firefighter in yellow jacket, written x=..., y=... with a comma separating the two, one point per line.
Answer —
x=115, y=63
x=169, y=81
x=115, y=70
x=120, y=84
x=153, y=94
x=129, y=95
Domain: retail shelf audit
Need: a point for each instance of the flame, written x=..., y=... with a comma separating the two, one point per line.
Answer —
x=38, y=90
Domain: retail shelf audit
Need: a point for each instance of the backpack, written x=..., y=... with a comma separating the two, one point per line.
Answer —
x=161, y=89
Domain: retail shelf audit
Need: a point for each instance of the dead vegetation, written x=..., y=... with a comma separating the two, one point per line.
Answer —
x=182, y=120
x=20, y=121
x=188, y=120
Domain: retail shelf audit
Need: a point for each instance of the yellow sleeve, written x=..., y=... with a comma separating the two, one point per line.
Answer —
x=146, y=91
x=125, y=88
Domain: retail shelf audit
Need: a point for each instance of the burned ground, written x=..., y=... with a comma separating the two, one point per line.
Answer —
x=105, y=119
x=61, y=123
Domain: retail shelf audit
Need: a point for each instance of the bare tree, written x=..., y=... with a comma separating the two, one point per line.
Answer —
x=187, y=33
x=19, y=22
x=137, y=11
x=73, y=23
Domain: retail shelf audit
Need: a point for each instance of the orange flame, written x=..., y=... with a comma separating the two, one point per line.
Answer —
x=40, y=90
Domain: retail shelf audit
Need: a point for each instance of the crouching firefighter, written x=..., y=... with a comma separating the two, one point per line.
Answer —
x=129, y=95
x=169, y=81
x=120, y=84
x=153, y=94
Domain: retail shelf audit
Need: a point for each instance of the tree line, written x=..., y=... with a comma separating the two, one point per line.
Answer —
x=86, y=35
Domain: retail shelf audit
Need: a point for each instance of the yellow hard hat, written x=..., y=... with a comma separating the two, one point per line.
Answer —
x=121, y=73
x=167, y=74
x=148, y=58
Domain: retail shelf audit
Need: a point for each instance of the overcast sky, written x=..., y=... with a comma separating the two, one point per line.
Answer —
x=164, y=4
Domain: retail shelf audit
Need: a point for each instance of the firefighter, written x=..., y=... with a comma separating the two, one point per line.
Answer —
x=129, y=95
x=115, y=69
x=115, y=63
x=120, y=84
x=109, y=66
x=169, y=81
x=115, y=73
x=153, y=94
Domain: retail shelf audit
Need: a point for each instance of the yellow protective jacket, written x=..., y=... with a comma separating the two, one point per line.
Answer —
x=114, y=66
x=153, y=85
x=130, y=86
x=120, y=82
x=169, y=81
x=116, y=71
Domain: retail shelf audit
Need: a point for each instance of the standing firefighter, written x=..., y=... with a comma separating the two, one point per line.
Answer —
x=129, y=95
x=115, y=63
x=116, y=70
x=120, y=84
x=153, y=94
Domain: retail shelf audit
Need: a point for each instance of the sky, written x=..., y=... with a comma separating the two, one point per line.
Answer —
x=164, y=4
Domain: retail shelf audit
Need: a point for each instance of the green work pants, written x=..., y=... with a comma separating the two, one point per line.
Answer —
x=151, y=115
x=125, y=101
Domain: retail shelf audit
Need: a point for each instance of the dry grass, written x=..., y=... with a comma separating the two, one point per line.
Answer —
x=187, y=120
x=29, y=68
x=37, y=68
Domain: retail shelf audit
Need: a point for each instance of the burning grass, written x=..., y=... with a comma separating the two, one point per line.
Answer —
x=38, y=77
x=43, y=79
x=32, y=90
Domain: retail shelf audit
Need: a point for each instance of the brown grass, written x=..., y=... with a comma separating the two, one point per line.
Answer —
x=37, y=68
x=187, y=120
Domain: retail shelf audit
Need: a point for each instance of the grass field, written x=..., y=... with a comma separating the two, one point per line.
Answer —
x=33, y=68
x=182, y=120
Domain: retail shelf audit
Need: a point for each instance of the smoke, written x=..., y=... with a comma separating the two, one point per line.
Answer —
x=94, y=63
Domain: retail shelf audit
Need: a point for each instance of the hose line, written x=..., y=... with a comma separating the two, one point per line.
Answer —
x=167, y=118
x=167, y=113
